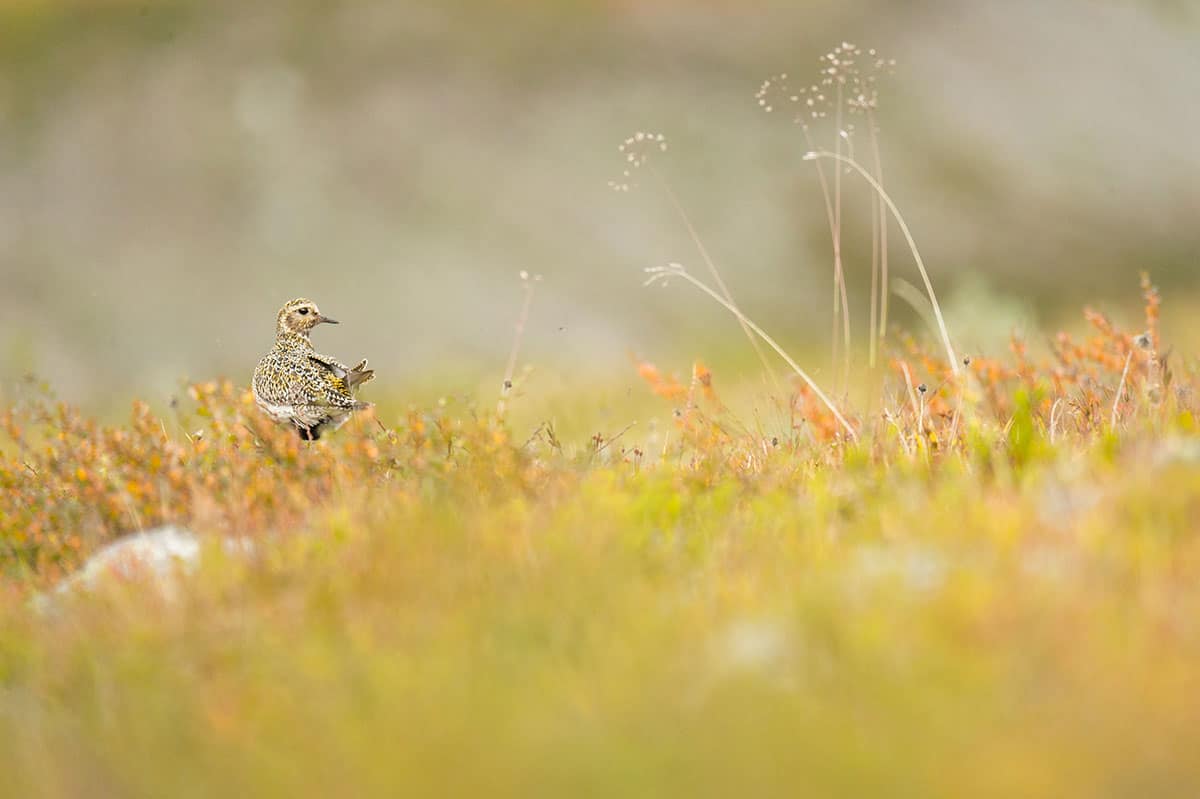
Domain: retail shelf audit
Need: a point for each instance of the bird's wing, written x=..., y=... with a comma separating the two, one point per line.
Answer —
x=350, y=376
x=329, y=372
x=326, y=385
x=338, y=368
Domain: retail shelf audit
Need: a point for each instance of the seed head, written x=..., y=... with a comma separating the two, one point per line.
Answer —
x=635, y=152
x=846, y=71
x=805, y=103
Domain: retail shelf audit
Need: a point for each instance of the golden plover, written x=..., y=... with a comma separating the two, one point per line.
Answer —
x=295, y=385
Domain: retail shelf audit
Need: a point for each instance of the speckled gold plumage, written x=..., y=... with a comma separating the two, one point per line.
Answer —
x=293, y=384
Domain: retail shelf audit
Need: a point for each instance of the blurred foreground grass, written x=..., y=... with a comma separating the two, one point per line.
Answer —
x=995, y=592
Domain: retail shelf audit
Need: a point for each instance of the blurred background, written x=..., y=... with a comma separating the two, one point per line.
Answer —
x=172, y=172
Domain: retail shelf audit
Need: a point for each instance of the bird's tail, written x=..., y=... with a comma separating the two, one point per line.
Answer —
x=359, y=374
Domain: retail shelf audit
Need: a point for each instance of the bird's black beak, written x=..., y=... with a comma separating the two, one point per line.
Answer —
x=327, y=320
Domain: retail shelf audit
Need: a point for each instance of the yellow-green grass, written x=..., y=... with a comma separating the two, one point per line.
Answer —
x=995, y=593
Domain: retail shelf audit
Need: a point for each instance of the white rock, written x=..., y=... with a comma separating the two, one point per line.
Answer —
x=156, y=558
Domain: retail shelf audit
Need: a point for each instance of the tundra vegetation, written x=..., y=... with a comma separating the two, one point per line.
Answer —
x=942, y=573
x=992, y=588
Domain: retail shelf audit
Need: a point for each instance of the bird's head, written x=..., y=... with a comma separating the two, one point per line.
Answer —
x=300, y=316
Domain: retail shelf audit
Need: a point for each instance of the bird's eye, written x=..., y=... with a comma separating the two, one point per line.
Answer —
x=303, y=312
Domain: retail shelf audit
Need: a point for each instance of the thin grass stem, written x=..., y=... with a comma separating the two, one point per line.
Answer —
x=1120, y=390
x=912, y=245
x=883, y=229
x=518, y=335
x=840, y=276
x=678, y=271
x=712, y=269
x=837, y=242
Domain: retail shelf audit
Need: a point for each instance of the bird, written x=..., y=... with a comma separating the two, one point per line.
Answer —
x=293, y=384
